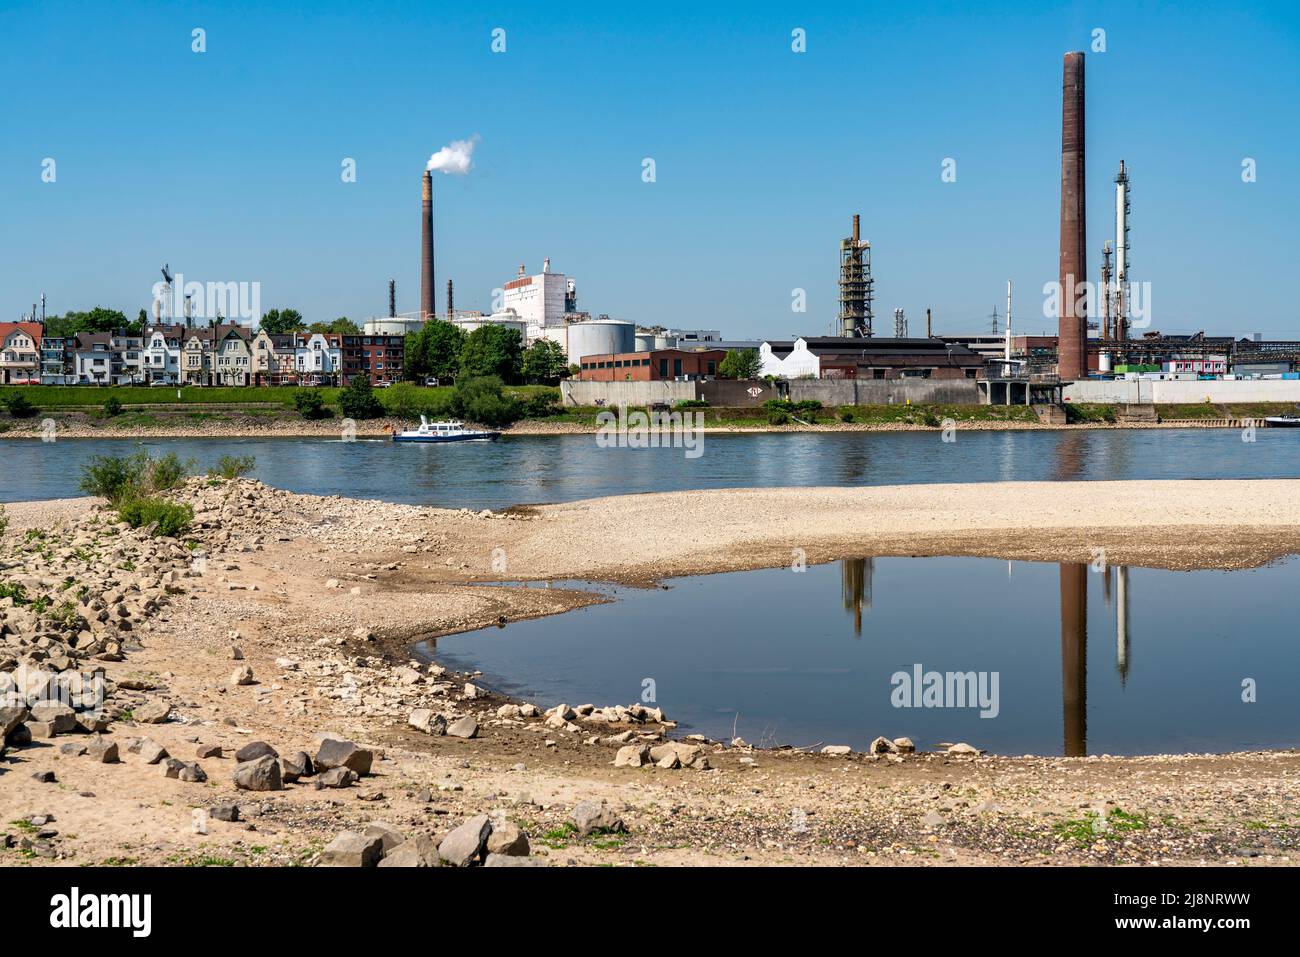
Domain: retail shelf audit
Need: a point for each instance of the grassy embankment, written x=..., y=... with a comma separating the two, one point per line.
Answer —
x=162, y=407
x=754, y=418
x=1099, y=413
x=146, y=408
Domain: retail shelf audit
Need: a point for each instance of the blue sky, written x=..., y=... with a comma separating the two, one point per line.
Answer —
x=227, y=163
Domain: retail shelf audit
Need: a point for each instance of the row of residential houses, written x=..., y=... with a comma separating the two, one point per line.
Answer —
x=226, y=354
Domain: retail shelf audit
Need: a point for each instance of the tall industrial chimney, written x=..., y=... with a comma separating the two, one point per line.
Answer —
x=426, y=250
x=392, y=298
x=451, y=302
x=1072, y=341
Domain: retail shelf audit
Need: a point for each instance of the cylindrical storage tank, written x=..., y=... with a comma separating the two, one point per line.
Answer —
x=1103, y=362
x=600, y=337
x=645, y=342
x=469, y=325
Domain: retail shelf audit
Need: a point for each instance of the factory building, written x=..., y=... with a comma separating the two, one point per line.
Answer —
x=653, y=366
x=856, y=357
x=540, y=301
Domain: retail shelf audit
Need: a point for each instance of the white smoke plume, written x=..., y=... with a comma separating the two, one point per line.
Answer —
x=456, y=159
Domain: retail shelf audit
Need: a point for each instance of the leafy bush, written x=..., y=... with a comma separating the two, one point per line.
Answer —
x=13, y=590
x=407, y=401
x=358, y=400
x=482, y=400
x=310, y=404
x=778, y=417
x=540, y=404
x=168, y=518
x=846, y=415
x=17, y=405
x=4, y=520
x=112, y=476
x=112, y=406
x=119, y=478
x=693, y=404
x=232, y=466
x=166, y=472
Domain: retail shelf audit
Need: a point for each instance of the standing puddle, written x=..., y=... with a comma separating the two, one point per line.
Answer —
x=1060, y=659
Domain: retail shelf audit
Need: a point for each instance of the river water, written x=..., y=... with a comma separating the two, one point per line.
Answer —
x=537, y=469
x=1130, y=661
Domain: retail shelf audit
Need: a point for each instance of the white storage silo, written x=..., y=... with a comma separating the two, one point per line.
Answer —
x=599, y=337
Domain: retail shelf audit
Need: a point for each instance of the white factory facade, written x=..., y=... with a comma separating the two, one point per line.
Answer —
x=541, y=302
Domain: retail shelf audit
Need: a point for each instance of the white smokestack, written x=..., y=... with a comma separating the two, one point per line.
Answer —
x=456, y=159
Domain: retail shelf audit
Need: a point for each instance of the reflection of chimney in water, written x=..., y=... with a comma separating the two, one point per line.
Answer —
x=1121, y=625
x=855, y=588
x=1074, y=657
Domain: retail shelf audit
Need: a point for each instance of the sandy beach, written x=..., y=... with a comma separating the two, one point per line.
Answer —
x=323, y=596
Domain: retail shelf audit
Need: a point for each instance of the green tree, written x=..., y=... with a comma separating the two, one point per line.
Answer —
x=434, y=350
x=741, y=364
x=342, y=326
x=358, y=400
x=279, y=321
x=493, y=350
x=545, y=361
x=98, y=319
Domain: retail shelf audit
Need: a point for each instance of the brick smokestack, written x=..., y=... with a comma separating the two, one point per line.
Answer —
x=1072, y=344
x=426, y=249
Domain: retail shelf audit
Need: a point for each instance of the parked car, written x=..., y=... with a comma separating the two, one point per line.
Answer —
x=431, y=381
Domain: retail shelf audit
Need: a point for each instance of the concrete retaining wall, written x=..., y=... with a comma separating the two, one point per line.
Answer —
x=1176, y=392
x=885, y=391
x=733, y=394
x=615, y=394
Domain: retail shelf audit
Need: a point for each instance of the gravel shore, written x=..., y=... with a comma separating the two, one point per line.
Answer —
x=319, y=599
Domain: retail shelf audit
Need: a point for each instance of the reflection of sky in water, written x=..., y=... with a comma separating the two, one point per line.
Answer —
x=778, y=653
x=562, y=468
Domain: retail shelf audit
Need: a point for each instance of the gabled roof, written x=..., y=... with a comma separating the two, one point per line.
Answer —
x=33, y=329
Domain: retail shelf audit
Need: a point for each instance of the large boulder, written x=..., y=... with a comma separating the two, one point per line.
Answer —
x=351, y=849
x=260, y=774
x=508, y=840
x=151, y=752
x=464, y=846
x=152, y=712
x=254, y=750
x=596, y=817
x=466, y=727
x=56, y=713
x=335, y=778
x=334, y=753
x=428, y=721
x=11, y=718
x=632, y=756
x=102, y=751
x=296, y=765
x=389, y=835
x=418, y=851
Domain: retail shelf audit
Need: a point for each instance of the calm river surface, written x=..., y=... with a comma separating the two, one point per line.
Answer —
x=536, y=469
x=1127, y=661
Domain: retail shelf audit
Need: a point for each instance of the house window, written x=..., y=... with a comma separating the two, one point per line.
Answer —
x=663, y=368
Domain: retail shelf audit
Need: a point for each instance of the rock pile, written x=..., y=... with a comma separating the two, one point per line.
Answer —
x=478, y=841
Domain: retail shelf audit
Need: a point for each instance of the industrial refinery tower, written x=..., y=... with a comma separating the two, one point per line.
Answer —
x=1122, y=210
x=855, y=285
x=1072, y=341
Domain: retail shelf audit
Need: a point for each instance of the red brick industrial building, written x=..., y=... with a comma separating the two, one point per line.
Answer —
x=653, y=366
